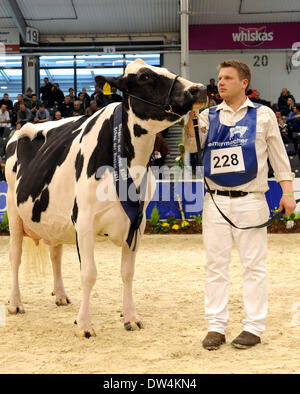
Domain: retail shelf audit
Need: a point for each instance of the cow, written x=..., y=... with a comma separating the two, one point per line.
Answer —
x=53, y=177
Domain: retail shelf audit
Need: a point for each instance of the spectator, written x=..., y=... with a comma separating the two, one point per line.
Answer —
x=86, y=96
x=91, y=109
x=72, y=95
x=211, y=103
x=83, y=102
x=45, y=90
x=57, y=116
x=212, y=88
x=9, y=104
x=282, y=101
x=23, y=115
x=28, y=96
x=98, y=96
x=34, y=105
x=257, y=99
x=282, y=127
x=161, y=150
x=18, y=102
x=291, y=104
x=2, y=170
x=115, y=97
x=42, y=115
x=294, y=123
x=67, y=107
x=77, y=109
x=4, y=118
x=56, y=96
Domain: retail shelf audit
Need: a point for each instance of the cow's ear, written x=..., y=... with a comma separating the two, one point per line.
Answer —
x=115, y=82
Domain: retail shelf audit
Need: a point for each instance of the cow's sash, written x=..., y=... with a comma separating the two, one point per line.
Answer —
x=123, y=181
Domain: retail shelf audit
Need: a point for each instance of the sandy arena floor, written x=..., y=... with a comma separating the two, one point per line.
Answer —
x=168, y=287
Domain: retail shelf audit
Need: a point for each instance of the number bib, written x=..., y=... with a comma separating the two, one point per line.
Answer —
x=227, y=160
x=229, y=155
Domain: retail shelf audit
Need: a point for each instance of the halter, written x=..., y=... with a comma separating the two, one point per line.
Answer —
x=167, y=107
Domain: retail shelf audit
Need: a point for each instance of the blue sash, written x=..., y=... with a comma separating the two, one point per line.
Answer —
x=229, y=155
x=123, y=180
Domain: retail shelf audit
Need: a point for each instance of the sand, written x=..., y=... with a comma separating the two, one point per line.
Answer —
x=169, y=291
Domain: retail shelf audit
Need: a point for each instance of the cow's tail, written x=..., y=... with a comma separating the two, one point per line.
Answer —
x=36, y=258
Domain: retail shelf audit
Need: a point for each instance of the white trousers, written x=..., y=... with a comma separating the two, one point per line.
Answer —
x=218, y=236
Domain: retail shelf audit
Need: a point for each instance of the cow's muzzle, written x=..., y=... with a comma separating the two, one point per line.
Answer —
x=198, y=94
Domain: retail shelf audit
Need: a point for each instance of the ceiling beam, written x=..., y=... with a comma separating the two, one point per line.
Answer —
x=17, y=16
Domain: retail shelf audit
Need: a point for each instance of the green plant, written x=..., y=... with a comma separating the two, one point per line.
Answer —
x=154, y=218
x=274, y=211
x=4, y=226
x=197, y=218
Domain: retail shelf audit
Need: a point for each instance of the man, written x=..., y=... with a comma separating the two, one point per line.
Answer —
x=67, y=107
x=57, y=116
x=42, y=115
x=4, y=117
x=238, y=137
x=23, y=115
x=282, y=101
x=56, y=96
x=5, y=100
x=77, y=109
x=91, y=109
x=258, y=100
x=34, y=105
x=45, y=91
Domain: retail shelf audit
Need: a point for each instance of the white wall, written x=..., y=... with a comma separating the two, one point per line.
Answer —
x=269, y=79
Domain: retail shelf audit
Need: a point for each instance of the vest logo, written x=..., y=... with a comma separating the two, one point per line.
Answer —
x=241, y=130
x=252, y=36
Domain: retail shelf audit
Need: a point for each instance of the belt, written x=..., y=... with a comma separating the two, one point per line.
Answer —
x=229, y=193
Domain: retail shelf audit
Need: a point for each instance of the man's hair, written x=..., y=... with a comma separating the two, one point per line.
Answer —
x=243, y=70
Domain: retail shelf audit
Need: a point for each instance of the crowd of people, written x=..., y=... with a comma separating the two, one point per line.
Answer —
x=52, y=105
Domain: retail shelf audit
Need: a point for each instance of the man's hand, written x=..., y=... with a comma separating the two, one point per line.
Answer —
x=288, y=203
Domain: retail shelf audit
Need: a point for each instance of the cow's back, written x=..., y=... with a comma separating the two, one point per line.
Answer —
x=42, y=172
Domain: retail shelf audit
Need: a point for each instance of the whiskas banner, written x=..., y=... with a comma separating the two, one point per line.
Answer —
x=244, y=36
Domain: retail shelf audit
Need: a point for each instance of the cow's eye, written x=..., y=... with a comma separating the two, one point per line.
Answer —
x=144, y=77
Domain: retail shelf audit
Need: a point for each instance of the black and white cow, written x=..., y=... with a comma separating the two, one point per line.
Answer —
x=52, y=168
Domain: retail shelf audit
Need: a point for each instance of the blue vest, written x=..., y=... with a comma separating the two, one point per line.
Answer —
x=229, y=155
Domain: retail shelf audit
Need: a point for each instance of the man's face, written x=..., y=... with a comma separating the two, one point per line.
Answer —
x=76, y=106
x=20, y=97
x=83, y=90
x=22, y=107
x=80, y=96
x=33, y=98
x=42, y=109
x=212, y=82
x=290, y=101
x=3, y=108
x=67, y=99
x=46, y=80
x=284, y=91
x=5, y=97
x=230, y=84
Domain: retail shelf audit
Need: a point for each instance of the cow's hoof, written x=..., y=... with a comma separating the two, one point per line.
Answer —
x=133, y=326
x=63, y=301
x=85, y=334
x=14, y=310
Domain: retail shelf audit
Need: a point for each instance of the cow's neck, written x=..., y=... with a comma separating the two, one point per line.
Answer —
x=143, y=144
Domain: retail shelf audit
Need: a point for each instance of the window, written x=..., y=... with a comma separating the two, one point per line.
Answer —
x=80, y=71
x=10, y=75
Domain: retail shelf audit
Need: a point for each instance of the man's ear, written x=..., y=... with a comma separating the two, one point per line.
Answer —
x=116, y=82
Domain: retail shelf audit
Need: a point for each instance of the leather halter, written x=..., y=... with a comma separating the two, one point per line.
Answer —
x=167, y=107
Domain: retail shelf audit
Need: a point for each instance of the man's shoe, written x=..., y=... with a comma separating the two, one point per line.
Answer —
x=213, y=340
x=245, y=340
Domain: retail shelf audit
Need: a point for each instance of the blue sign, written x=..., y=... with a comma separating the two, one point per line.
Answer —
x=3, y=191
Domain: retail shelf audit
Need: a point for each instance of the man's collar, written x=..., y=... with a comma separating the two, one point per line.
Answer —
x=224, y=106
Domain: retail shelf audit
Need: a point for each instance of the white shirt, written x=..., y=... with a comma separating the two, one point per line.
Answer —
x=4, y=116
x=268, y=145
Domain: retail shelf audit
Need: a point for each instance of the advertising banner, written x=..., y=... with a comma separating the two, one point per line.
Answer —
x=244, y=36
x=9, y=40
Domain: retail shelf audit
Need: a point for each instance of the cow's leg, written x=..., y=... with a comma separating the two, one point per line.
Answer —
x=15, y=254
x=132, y=321
x=85, y=237
x=59, y=290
